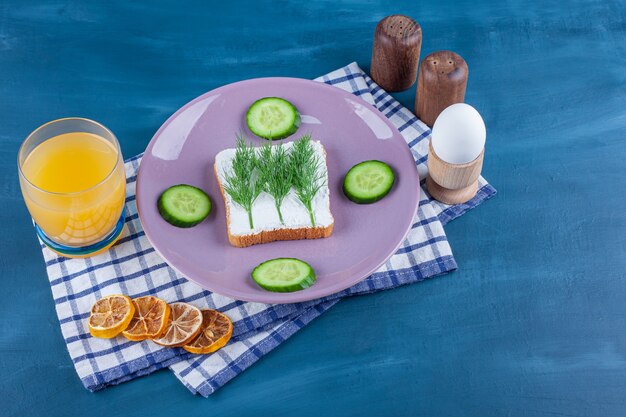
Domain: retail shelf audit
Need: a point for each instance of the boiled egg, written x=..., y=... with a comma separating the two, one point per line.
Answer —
x=459, y=133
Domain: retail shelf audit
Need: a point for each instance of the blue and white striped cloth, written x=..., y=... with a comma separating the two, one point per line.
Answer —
x=133, y=267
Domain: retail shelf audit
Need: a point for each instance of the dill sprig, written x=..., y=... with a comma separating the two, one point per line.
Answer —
x=308, y=176
x=243, y=183
x=275, y=173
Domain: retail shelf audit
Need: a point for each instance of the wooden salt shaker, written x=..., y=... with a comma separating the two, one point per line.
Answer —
x=441, y=82
x=396, y=52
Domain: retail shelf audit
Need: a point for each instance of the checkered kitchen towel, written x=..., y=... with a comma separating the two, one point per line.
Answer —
x=133, y=267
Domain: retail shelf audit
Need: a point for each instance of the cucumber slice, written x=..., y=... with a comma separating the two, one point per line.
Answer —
x=368, y=182
x=273, y=118
x=284, y=275
x=184, y=205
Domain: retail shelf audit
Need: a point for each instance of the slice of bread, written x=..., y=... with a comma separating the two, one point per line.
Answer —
x=297, y=223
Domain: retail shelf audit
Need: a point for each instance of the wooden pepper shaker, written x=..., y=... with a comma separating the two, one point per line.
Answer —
x=396, y=52
x=441, y=82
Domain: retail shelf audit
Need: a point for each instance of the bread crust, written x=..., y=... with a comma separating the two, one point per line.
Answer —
x=268, y=236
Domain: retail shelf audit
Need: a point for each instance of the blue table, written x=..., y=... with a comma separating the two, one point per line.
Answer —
x=532, y=323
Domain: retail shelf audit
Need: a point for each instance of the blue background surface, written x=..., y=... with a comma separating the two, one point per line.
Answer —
x=532, y=323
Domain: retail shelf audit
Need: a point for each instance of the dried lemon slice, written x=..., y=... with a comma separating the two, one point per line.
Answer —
x=149, y=320
x=110, y=315
x=184, y=324
x=216, y=332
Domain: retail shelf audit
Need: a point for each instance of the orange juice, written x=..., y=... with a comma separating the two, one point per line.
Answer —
x=76, y=187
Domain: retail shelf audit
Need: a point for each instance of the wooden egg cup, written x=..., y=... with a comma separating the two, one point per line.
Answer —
x=452, y=183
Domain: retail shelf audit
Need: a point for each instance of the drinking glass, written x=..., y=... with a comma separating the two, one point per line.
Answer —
x=73, y=182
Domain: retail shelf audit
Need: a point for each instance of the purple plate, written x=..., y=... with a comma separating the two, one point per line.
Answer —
x=365, y=236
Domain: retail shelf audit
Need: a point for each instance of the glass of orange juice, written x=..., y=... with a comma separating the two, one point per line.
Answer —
x=74, y=184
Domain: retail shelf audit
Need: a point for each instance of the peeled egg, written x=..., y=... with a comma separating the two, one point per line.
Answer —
x=458, y=135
